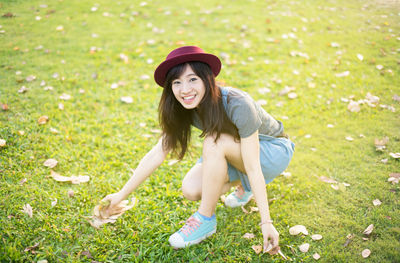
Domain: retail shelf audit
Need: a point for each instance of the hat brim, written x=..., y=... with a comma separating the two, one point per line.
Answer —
x=162, y=70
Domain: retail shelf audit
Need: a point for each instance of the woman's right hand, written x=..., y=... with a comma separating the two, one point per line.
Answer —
x=112, y=200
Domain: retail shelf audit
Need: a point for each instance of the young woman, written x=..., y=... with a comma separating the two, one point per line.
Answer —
x=243, y=145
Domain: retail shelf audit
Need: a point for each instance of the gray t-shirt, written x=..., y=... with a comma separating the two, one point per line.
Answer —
x=246, y=114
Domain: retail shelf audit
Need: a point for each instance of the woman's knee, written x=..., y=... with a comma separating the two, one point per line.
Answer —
x=189, y=192
x=212, y=146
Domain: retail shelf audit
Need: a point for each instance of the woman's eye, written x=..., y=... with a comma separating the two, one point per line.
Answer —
x=193, y=79
x=175, y=83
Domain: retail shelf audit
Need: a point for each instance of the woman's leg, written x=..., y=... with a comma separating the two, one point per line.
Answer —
x=215, y=169
x=192, y=183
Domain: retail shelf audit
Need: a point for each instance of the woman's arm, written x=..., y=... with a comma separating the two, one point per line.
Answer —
x=150, y=162
x=250, y=150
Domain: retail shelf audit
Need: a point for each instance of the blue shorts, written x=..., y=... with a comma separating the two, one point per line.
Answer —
x=275, y=156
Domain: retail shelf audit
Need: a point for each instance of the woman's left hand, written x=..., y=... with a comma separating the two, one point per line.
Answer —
x=271, y=238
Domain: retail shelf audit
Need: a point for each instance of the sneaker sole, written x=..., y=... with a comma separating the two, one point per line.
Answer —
x=196, y=241
x=239, y=204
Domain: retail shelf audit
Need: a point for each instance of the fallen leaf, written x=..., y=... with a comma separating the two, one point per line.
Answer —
x=73, y=179
x=380, y=144
x=349, y=138
x=60, y=106
x=327, y=180
x=248, y=235
x=124, y=58
x=65, y=96
x=395, y=155
x=23, y=181
x=292, y=95
x=2, y=142
x=114, y=86
x=365, y=253
x=21, y=133
x=54, y=202
x=353, y=106
x=27, y=209
x=316, y=256
x=8, y=15
x=43, y=120
x=342, y=74
x=71, y=193
x=172, y=162
x=31, y=247
x=53, y=130
x=396, y=97
x=349, y=237
x=127, y=99
x=23, y=89
x=304, y=247
x=360, y=57
x=244, y=210
x=257, y=249
x=60, y=28
x=297, y=229
x=316, y=237
x=87, y=254
x=379, y=67
x=253, y=209
x=376, y=202
x=365, y=238
x=51, y=163
x=369, y=229
x=102, y=215
x=4, y=107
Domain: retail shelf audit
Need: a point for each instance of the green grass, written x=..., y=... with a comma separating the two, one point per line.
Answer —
x=102, y=137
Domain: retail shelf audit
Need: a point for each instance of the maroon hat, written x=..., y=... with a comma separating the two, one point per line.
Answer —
x=182, y=55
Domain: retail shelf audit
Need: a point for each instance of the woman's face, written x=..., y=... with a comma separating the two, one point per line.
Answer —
x=188, y=89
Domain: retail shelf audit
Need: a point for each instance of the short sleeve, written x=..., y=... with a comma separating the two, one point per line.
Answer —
x=243, y=113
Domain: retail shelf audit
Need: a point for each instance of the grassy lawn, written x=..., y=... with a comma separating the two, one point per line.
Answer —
x=327, y=52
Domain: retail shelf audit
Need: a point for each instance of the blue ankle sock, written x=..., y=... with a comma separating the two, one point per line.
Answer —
x=206, y=217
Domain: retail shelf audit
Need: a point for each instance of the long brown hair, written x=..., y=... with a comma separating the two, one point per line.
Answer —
x=175, y=120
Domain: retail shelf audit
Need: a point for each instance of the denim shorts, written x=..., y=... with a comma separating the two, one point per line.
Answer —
x=275, y=156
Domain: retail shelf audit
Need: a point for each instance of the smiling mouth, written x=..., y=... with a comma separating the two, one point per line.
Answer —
x=189, y=99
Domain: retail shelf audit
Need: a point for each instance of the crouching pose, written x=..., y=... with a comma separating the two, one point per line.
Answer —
x=243, y=145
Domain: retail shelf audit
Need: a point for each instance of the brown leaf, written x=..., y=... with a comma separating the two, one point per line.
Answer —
x=327, y=180
x=396, y=98
x=43, y=120
x=8, y=15
x=257, y=249
x=2, y=143
x=316, y=237
x=51, y=163
x=365, y=253
x=71, y=193
x=248, y=236
x=304, y=247
x=316, y=256
x=87, y=254
x=4, y=107
x=349, y=237
x=369, y=229
x=102, y=213
x=380, y=144
x=31, y=247
x=377, y=202
x=297, y=229
x=27, y=209
x=23, y=181
x=395, y=155
x=73, y=179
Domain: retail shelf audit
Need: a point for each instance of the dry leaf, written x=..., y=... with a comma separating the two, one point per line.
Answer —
x=349, y=237
x=65, y=96
x=54, y=202
x=102, y=215
x=376, y=202
x=127, y=99
x=172, y=162
x=248, y=235
x=316, y=237
x=297, y=229
x=253, y=209
x=353, y=106
x=23, y=89
x=369, y=229
x=396, y=98
x=51, y=163
x=73, y=179
x=2, y=143
x=327, y=180
x=342, y=74
x=4, y=107
x=349, y=138
x=292, y=95
x=257, y=249
x=365, y=253
x=304, y=247
x=244, y=210
x=31, y=248
x=71, y=193
x=395, y=155
x=380, y=144
x=53, y=131
x=335, y=187
x=43, y=120
x=360, y=57
x=316, y=256
x=27, y=209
